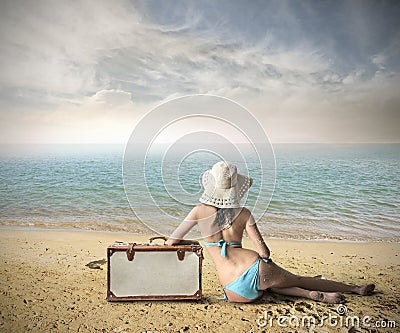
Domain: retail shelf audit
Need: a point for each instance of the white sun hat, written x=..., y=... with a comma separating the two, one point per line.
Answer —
x=224, y=186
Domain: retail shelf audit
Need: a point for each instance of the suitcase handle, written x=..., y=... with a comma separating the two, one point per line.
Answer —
x=158, y=237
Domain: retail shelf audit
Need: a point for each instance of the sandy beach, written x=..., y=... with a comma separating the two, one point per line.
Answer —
x=46, y=287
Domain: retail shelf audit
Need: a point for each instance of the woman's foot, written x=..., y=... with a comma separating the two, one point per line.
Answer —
x=332, y=298
x=366, y=289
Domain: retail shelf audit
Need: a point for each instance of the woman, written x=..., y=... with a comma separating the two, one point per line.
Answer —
x=245, y=273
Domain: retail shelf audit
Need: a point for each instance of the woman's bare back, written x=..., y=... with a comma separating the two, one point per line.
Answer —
x=238, y=259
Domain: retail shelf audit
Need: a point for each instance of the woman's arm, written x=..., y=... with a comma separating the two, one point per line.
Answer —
x=188, y=223
x=256, y=238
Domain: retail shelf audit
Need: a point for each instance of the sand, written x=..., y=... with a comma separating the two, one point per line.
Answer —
x=46, y=287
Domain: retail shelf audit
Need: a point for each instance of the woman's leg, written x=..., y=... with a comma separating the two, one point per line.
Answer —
x=314, y=295
x=273, y=276
x=292, y=291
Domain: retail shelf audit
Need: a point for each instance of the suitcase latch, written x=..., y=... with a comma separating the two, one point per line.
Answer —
x=130, y=253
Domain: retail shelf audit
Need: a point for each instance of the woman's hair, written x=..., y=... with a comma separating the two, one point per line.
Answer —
x=224, y=217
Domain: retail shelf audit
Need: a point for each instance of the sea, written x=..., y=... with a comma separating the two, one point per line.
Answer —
x=318, y=192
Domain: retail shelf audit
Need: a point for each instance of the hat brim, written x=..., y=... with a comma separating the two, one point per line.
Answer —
x=224, y=197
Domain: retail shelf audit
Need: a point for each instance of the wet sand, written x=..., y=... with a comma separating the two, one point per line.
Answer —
x=46, y=287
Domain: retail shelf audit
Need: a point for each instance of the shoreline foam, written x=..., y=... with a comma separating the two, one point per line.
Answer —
x=283, y=236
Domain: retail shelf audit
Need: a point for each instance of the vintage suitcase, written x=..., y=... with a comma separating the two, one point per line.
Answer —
x=154, y=272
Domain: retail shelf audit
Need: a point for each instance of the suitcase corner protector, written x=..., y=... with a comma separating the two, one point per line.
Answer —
x=110, y=296
x=110, y=251
x=198, y=294
x=199, y=251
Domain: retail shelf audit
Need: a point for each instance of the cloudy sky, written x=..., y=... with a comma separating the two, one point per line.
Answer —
x=310, y=71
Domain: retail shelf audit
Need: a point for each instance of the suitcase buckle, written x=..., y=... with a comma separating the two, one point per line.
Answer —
x=130, y=252
x=181, y=254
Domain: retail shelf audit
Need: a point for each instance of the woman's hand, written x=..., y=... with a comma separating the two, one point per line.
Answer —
x=172, y=241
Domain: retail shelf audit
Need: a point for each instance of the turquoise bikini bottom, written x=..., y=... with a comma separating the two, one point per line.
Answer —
x=247, y=285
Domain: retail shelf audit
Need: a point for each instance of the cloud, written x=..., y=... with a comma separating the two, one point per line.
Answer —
x=108, y=116
x=55, y=46
x=48, y=52
x=113, y=97
x=72, y=63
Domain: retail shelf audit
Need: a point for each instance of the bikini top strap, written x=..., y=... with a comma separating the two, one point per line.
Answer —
x=222, y=244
